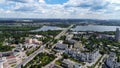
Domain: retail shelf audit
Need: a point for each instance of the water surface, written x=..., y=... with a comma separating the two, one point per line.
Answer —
x=46, y=28
x=98, y=28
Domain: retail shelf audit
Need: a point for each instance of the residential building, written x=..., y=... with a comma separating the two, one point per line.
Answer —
x=66, y=63
x=72, y=42
x=60, y=46
x=77, y=66
x=78, y=45
x=83, y=56
x=117, y=35
x=11, y=59
x=111, y=61
x=33, y=41
x=8, y=53
x=69, y=36
x=105, y=36
x=1, y=62
x=28, y=45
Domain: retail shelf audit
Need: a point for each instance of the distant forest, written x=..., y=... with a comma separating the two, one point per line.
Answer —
x=76, y=21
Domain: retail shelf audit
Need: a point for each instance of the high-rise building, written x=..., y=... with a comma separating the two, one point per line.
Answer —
x=1, y=60
x=117, y=35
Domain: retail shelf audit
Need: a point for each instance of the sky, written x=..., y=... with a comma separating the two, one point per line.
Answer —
x=63, y=9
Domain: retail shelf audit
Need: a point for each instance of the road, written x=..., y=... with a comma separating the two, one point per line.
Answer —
x=31, y=57
x=63, y=32
x=41, y=49
x=101, y=61
x=57, y=37
x=90, y=64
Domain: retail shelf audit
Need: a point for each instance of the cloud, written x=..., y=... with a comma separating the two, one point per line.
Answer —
x=41, y=1
x=55, y=1
x=25, y=9
x=93, y=5
x=69, y=9
x=23, y=1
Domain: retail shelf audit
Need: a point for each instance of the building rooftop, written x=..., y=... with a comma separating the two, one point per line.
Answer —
x=61, y=46
x=9, y=57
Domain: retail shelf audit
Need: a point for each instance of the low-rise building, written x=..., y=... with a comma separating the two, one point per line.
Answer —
x=8, y=53
x=37, y=36
x=18, y=52
x=27, y=45
x=60, y=46
x=72, y=42
x=3, y=63
x=69, y=36
x=33, y=41
x=69, y=64
x=77, y=66
x=105, y=36
x=78, y=45
x=11, y=59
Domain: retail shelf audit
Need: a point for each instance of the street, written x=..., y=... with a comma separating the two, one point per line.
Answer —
x=63, y=32
x=31, y=57
x=41, y=50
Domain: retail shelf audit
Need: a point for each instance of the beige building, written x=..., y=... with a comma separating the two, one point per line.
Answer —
x=33, y=41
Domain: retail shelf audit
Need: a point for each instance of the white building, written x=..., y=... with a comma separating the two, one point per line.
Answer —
x=69, y=37
x=83, y=56
x=2, y=61
x=66, y=63
x=111, y=61
x=117, y=35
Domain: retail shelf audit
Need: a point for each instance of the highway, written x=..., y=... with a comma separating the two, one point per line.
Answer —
x=41, y=49
x=31, y=57
x=101, y=61
x=57, y=37
x=63, y=32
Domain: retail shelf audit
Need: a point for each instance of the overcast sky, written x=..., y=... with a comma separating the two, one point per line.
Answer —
x=80, y=9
